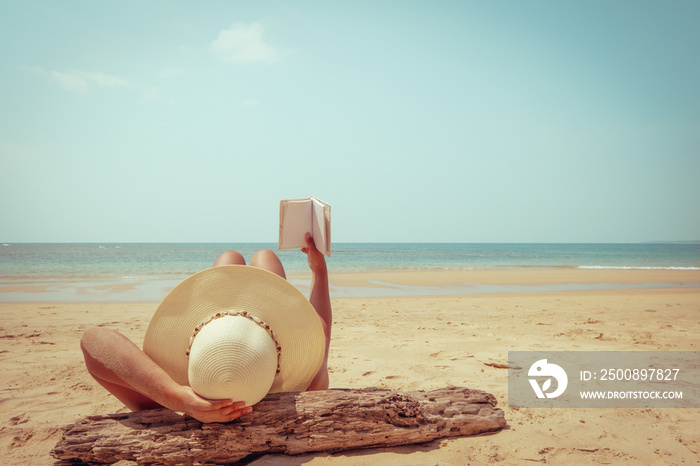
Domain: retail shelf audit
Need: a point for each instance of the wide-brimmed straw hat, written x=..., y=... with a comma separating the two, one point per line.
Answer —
x=237, y=332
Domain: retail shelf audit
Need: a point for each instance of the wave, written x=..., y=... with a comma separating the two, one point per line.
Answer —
x=614, y=267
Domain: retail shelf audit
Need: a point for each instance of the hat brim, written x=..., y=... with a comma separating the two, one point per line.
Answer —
x=237, y=288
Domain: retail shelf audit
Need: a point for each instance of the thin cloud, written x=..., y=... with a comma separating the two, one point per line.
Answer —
x=81, y=81
x=243, y=43
x=70, y=82
x=104, y=80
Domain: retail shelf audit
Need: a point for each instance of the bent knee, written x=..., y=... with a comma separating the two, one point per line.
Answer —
x=264, y=255
x=268, y=260
x=230, y=258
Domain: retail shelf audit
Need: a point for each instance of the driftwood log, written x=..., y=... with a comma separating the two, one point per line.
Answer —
x=291, y=423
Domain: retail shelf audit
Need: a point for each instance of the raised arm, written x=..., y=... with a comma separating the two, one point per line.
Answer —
x=320, y=299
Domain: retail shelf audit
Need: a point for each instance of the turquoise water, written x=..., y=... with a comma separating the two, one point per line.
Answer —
x=146, y=272
x=42, y=262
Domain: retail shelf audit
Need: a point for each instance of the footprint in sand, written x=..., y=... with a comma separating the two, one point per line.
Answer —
x=20, y=440
x=17, y=420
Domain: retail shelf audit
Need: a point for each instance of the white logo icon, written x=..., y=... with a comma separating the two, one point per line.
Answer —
x=543, y=369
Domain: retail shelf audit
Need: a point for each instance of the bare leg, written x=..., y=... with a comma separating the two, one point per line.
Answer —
x=268, y=260
x=230, y=258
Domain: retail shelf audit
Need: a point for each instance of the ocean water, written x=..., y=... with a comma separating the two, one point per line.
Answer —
x=133, y=272
x=25, y=262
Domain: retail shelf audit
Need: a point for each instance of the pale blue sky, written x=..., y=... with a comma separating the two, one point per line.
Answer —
x=459, y=121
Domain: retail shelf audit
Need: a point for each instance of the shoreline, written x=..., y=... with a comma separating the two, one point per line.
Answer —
x=518, y=276
x=421, y=282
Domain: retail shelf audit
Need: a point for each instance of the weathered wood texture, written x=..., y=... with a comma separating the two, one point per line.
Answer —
x=292, y=423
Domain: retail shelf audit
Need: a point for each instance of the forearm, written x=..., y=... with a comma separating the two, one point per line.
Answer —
x=134, y=378
x=151, y=380
x=320, y=299
x=116, y=359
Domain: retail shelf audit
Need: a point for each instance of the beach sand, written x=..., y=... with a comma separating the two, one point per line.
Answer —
x=405, y=343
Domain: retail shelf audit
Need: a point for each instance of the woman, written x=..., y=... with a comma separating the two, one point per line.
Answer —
x=137, y=381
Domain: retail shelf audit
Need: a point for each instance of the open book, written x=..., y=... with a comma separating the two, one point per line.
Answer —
x=299, y=216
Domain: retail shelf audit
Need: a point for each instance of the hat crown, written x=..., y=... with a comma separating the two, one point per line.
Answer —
x=232, y=357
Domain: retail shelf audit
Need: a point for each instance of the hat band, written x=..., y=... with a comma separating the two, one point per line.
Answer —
x=259, y=322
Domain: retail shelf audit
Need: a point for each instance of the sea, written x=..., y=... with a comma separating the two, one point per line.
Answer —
x=56, y=271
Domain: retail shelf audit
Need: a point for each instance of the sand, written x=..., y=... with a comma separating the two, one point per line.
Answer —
x=405, y=343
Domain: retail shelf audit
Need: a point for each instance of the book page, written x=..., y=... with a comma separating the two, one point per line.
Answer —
x=321, y=226
x=295, y=221
x=299, y=216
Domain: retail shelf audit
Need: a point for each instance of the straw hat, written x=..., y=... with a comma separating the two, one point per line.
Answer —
x=237, y=332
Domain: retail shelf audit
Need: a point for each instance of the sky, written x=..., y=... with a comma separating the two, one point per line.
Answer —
x=417, y=121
